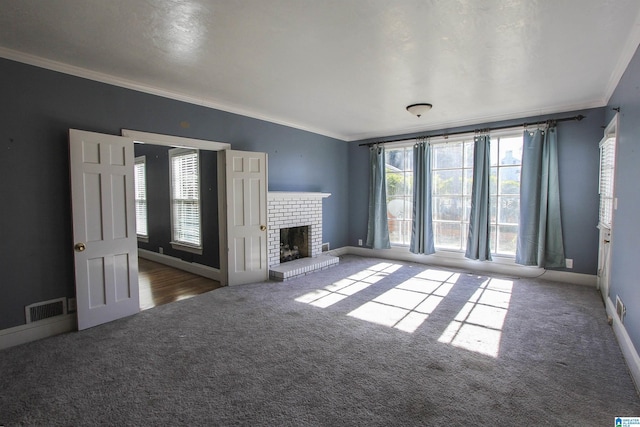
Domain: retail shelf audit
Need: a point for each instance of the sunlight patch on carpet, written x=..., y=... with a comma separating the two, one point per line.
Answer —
x=478, y=325
x=344, y=288
x=409, y=304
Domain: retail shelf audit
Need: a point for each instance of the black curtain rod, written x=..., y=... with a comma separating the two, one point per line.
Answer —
x=446, y=134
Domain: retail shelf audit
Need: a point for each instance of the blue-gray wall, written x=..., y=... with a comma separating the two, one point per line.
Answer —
x=579, y=159
x=625, y=259
x=37, y=108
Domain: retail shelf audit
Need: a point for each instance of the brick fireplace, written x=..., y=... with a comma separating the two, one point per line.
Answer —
x=296, y=209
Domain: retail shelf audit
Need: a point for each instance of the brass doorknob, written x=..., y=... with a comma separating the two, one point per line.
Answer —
x=79, y=247
x=263, y=227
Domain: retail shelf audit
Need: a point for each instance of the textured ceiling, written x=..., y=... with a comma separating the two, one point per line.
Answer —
x=342, y=68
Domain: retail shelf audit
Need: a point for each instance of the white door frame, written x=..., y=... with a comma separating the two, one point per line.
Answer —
x=175, y=141
x=605, y=231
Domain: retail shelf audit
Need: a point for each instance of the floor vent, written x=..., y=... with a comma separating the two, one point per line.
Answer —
x=620, y=309
x=46, y=309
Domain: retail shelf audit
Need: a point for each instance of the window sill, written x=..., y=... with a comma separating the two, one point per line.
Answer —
x=143, y=239
x=459, y=255
x=186, y=248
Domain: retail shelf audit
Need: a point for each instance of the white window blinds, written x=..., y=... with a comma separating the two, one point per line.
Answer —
x=140, y=180
x=607, y=168
x=185, y=197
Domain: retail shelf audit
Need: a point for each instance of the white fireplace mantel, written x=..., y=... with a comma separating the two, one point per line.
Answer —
x=282, y=195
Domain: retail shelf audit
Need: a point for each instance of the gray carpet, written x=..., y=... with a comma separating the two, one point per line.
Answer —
x=386, y=345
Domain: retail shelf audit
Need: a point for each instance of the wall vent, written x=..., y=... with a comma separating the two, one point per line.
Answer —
x=45, y=309
x=325, y=247
x=620, y=309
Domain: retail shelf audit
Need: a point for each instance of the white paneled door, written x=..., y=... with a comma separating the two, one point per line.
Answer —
x=104, y=229
x=245, y=175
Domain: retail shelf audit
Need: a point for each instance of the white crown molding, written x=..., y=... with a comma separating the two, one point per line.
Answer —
x=72, y=70
x=624, y=60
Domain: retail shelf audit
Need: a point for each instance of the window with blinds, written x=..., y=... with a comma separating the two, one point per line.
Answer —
x=140, y=183
x=607, y=168
x=185, y=197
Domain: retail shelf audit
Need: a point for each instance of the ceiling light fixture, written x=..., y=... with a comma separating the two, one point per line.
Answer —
x=419, y=109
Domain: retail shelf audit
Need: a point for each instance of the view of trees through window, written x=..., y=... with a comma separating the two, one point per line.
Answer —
x=452, y=177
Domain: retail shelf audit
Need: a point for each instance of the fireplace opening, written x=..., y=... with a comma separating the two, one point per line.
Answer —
x=294, y=243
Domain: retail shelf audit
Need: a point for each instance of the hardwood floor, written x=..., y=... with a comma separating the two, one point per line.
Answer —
x=160, y=284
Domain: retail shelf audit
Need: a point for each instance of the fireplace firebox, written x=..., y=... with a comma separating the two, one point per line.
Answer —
x=294, y=243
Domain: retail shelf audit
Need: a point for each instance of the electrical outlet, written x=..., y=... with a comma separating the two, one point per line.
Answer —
x=71, y=305
x=569, y=262
x=160, y=250
x=359, y=242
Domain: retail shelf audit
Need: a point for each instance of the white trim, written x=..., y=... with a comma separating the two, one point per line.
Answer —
x=174, y=141
x=191, y=267
x=500, y=265
x=23, y=334
x=624, y=341
x=153, y=90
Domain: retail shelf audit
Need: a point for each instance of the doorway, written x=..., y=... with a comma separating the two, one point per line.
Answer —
x=608, y=203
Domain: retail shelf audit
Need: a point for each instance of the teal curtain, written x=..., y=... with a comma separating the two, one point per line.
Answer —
x=478, y=243
x=422, y=227
x=377, y=227
x=540, y=233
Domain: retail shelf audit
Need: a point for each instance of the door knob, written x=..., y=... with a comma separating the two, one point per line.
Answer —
x=263, y=228
x=79, y=247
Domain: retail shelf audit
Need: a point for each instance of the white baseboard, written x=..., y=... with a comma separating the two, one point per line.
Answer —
x=626, y=345
x=499, y=265
x=191, y=267
x=37, y=330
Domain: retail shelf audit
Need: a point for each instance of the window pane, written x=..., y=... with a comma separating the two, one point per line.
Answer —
x=493, y=239
x=395, y=231
x=447, y=208
x=468, y=154
x=511, y=151
x=397, y=209
x=493, y=209
x=509, y=210
x=447, y=235
x=447, y=182
x=510, y=180
x=447, y=156
x=493, y=180
x=507, y=239
x=395, y=184
x=468, y=182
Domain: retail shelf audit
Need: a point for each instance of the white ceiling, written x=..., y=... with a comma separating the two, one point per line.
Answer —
x=342, y=68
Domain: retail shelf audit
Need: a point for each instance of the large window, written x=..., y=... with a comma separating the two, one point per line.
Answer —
x=140, y=180
x=185, y=198
x=452, y=176
x=399, y=176
x=452, y=172
x=504, y=191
